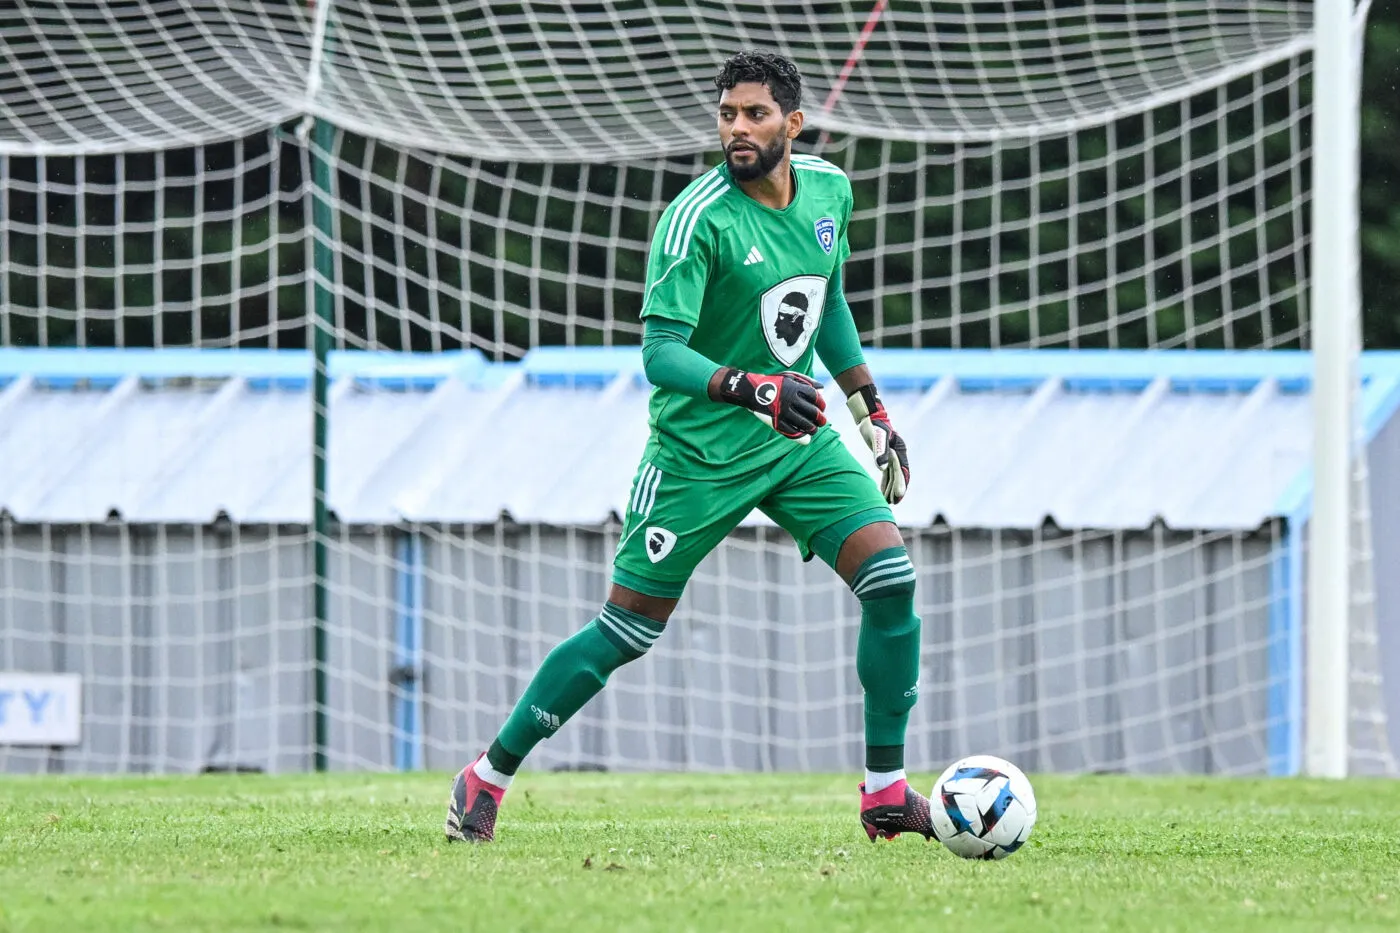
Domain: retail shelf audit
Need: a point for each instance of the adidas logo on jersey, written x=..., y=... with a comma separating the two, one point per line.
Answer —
x=754, y=256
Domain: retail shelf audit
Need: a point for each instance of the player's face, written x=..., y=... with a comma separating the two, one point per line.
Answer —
x=753, y=130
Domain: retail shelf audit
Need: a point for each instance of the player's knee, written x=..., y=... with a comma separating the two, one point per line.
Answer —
x=887, y=575
x=631, y=633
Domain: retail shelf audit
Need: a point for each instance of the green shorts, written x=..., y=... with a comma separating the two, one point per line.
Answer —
x=819, y=494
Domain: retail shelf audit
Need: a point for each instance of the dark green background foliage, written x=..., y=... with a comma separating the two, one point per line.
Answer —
x=219, y=251
x=1153, y=230
x=1380, y=177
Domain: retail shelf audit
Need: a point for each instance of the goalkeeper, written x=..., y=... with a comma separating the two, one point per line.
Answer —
x=743, y=287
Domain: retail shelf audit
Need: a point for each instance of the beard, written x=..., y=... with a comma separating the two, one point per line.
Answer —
x=766, y=158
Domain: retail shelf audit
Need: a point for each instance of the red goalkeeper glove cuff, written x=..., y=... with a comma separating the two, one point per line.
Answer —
x=891, y=455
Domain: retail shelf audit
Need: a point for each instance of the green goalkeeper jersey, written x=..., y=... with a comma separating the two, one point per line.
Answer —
x=752, y=281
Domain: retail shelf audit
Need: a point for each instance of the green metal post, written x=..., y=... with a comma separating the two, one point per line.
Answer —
x=322, y=331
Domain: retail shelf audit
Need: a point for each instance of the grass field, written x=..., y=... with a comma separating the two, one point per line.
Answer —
x=586, y=852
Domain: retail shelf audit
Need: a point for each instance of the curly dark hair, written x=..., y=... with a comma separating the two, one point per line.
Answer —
x=767, y=68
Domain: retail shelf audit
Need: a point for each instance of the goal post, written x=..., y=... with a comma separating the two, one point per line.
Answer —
x=478, y=184
x=1336, y=334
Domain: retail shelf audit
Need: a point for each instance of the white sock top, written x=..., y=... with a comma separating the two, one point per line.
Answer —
x=490, y=775
x=876, y=781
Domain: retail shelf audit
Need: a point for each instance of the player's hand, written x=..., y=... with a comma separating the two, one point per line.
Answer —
x=891, y=456
x=790, y=402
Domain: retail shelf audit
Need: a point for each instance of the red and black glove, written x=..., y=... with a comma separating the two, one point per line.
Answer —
x=790, y=402
x=891, y=456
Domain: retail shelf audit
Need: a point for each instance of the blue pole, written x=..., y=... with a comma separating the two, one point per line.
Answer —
x=1285, y=650
x=1295, y=645
x=408, y=655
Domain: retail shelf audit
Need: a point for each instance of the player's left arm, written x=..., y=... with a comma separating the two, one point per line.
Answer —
x=838, y=345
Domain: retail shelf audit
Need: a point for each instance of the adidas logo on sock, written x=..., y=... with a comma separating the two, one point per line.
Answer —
x=754, y=256
x=545, y=718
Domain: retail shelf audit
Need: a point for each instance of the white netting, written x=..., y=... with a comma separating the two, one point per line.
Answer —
x=1088, y=175
x=1184, y=226
x=125, y=75
x=1064, y=651
x=204, y=246
x=1368, y=737
x=631, y=79
x=1067, y=651
x=192, y=643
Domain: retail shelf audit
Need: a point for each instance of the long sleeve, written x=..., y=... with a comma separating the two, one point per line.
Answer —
x=838, y=341
x=668, y=360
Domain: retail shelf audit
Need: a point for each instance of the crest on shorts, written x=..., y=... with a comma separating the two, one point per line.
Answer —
x=659, y=543
x=790, y=313
x=826, y=233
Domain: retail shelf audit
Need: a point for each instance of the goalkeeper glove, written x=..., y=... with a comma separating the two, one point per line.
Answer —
x=891, y=456
x=789, y=402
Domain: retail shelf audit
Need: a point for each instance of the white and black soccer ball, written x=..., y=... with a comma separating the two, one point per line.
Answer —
x=982, y=807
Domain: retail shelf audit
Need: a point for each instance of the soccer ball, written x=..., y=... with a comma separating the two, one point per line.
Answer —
x=982, y=807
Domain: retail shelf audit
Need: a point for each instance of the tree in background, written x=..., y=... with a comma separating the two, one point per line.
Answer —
x=1380, y=178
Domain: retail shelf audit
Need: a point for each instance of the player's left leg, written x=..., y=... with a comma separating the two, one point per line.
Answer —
x=873, y=561
x=833, y=508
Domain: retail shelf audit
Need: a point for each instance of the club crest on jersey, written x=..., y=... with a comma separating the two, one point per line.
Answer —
x=790, y=313
x=826, y=233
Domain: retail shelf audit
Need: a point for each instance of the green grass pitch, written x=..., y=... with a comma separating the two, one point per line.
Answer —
x=586, y=852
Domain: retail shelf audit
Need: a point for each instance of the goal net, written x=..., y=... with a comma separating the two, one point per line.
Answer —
x=478, y=181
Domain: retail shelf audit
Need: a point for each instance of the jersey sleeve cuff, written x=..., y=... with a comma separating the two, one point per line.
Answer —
x=673, y=314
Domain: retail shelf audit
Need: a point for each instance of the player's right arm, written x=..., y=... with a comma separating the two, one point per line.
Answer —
x=790, y=402
x=682, y=254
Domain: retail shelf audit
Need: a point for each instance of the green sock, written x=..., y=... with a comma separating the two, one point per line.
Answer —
x=571, y=675
x=887, y=654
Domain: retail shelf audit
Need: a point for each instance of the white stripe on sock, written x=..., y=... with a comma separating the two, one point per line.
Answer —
x=622, y=633
x=879, y=565
x=886, y=584
x=864, y=584
x=883, y=577
x=627, y=625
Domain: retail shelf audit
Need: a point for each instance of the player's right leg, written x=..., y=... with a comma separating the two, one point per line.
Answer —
x=671, y=524
x=570, y=675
